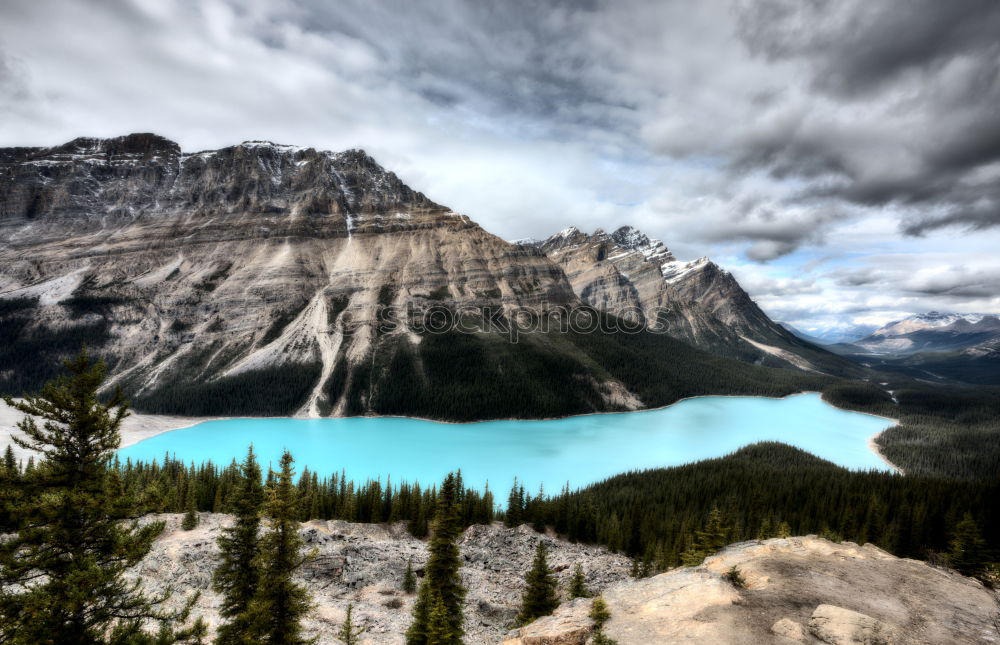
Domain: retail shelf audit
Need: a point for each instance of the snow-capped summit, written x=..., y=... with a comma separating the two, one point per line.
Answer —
x=932, y=331
x=698, y=302
x=635, y=240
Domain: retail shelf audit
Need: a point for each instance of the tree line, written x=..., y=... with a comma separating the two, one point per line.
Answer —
x=71, y=534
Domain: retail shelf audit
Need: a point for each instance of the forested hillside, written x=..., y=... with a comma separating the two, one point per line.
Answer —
x=764, y=490
x=943, y=431
x=657, y=516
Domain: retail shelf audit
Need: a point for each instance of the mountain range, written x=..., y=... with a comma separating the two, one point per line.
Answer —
x=271, y=279
x=935, y=346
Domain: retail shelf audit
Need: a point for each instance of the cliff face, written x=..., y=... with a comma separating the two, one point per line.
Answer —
x=209, y=265
x=263, y=279
x=629, y=275
x=798, y=590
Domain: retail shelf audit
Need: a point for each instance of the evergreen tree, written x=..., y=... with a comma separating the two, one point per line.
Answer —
x=349, y=634
x=515, y=506
x=280, y=603
x=409, y=578
x=438, y=626
x=191, y=518
x=967, y=547
x=62, y=576
x=600, y=614
x=540, y=598
x=237, y=575
x=442, y=582
x=9, y=462
x=707, y=541
x=10, y=490
x=578, y=584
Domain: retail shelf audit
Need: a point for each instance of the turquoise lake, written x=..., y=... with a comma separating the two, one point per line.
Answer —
x=579, y=450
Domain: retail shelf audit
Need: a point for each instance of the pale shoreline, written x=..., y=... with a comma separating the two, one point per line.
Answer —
x=139, y=426
x=136, y=427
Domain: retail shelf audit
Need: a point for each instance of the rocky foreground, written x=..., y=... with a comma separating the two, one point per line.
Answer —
x=798, y=590
x=364, y=564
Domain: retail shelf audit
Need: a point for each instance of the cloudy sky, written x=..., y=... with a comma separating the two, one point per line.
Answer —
x=841, y=158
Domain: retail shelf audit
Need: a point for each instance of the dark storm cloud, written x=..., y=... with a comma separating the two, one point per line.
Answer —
x=903, y=106
x=859, y=45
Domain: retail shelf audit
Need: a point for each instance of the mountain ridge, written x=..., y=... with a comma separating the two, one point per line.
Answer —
x=287, y=279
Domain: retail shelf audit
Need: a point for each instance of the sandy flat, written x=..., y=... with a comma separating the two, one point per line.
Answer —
x=136, y=427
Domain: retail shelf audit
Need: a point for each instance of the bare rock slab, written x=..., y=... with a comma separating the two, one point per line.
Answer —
x=839, y=626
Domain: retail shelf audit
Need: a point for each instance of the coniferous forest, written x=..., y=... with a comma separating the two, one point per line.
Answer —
x=69, y=518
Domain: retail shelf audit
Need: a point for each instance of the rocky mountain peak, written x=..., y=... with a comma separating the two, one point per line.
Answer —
x=95, y=182
x=144, y=145
x=697, y=301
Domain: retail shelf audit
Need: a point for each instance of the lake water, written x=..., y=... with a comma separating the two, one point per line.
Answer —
x=579, y=450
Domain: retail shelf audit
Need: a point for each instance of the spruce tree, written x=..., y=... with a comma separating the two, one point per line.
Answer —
x=442, y=582
x=438, y=625
x=280, y=603
x=409, y=578
x=62, y=575
x=707, y=541
x=540, y=598
x=10, y=490
x=600, y=614
x=191, y=518
x=348, y=633
x=967, y=547
x=578, y=584
x=515, y=506
x=237, y=575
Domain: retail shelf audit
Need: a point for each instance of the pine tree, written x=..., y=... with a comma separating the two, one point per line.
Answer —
x=600, y=614
x=280, y=603
x=438, y=625
x=349, y=634
x=540, y=598
x=967, y=547
x=9, y=461
x=62, y=576
x=409, y=578
x=10, y=490
x=707, y=541
x=237, y=576
x=442, y=581
x=515, y=506
x=191, y=517
x=578, y=584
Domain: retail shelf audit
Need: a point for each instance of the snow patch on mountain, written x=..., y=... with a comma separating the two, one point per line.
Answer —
x=676, y=270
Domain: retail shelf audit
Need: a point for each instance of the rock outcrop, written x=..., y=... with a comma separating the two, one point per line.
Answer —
x=798, y=590
x=363, y=564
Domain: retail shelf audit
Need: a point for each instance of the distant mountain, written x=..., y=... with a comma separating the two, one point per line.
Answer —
x=264, y=279
x=931, y=332
x=833, y=334
x=934, y=347
x=816, y=340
